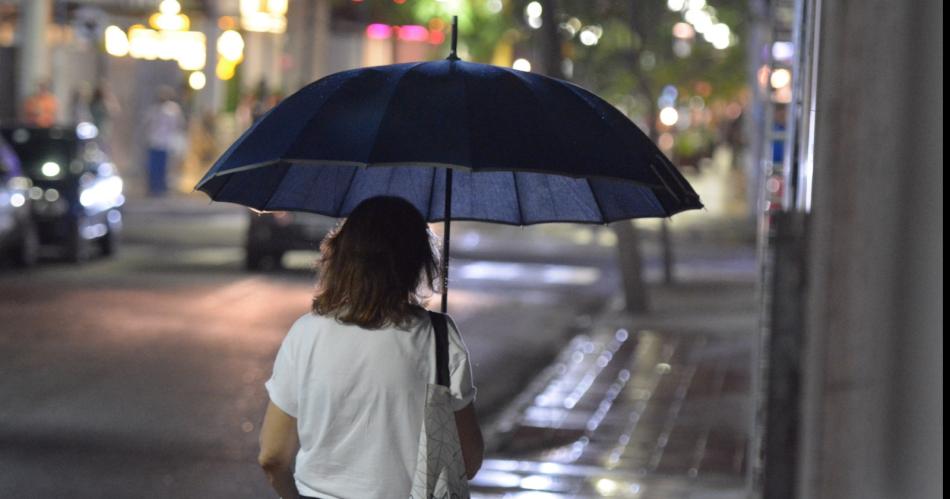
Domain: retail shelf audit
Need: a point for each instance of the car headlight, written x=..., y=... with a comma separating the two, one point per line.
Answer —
x=17, y=200
x=51, y=169
x=107, y=192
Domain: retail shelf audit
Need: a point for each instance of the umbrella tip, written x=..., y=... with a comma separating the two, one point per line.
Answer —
x=455, y=37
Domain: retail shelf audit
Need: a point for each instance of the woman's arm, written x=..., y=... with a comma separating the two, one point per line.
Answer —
x=470, y=438
x=278, y=446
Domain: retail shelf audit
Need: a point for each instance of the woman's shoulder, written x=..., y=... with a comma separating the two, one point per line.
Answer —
x=310, y=324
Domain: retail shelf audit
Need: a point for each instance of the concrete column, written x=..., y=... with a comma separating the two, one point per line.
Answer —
x=873, y=361
x=34, y=59
x=262, y=60
x=210, y=97
x=319, y=41
x=274, y=69
x=308, y=35
x=252, y=69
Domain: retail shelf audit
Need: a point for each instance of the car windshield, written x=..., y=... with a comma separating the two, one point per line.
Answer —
x=44, y=153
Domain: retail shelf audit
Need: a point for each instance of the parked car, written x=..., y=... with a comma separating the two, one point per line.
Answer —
x=18, y=235
x=271, y=234
x=76, y=193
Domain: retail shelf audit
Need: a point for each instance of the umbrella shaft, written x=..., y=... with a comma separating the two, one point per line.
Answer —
x=455, y=38
x=446, y=234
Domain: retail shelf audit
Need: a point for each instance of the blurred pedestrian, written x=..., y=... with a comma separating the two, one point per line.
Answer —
x=103, y=108
x=40, y=108
x=348, y=390
x=164, y=131
x=261, y=104
x=244, y=112
x=202, y=150
x=79, y=103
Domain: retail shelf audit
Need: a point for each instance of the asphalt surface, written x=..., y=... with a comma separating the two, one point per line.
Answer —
x=142, y=375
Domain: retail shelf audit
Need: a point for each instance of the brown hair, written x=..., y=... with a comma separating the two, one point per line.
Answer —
x=373, y=265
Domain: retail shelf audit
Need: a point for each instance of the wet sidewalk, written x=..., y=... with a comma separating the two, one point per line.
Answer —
x=647, y=406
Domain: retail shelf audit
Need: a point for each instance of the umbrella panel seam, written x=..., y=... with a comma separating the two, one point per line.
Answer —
x=600, y=208
x=514, y=182
x=417, y=164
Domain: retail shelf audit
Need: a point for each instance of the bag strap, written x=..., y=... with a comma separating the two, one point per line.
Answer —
x=441, y=348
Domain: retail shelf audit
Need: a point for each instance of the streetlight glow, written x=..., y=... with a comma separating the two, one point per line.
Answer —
x=718, y=35
x=534, y=9
x=780, y=78
x=17, y=200
x=683, y=30
x=522, y=65
x=225, y=69
x=669, y=116
x=197, y=80
x=117, y=43
x=264, y=16
x=607, y=487
x=143, y=43
x=588, y=37
x=231, y=45
x=190, y=50
x=700, y=19
x=169, y=7
x=50, y=169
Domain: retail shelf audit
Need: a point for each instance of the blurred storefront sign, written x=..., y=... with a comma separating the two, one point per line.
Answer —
x=167, y=37
x=230, y=47
x=785, y=85
x=264, y=16
x=389, y=44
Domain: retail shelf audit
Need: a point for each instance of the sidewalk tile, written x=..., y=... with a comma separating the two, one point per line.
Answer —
x=626, y=414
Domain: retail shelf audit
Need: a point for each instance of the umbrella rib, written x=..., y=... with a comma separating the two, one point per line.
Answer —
x=339, y=207
x=431, y=191
x=665, y=184
x=382, y=118
x=276, y=188
x=658, y=204
x=547, y=183
x=375, y=137
x=577, y=91
x=552, y=130
x=600, y=209
x=676, y=176
x=223, y=185
x=234, y=145
x=471, y=151
x=316, y=112
x=360, y=164
x=514, y=182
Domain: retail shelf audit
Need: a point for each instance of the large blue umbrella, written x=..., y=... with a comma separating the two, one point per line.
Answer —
x=458, y=140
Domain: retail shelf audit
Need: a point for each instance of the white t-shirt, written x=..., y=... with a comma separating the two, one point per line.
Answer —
x=358, y=396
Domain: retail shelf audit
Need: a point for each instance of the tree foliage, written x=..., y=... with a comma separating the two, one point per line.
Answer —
x=637, y=43
x=633, y=31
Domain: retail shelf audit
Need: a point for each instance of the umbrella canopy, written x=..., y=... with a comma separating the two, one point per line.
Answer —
x=512, y=147
x=515, y=198
x=524, y=149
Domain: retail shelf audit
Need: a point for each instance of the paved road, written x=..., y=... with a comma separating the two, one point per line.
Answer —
x=141, y=376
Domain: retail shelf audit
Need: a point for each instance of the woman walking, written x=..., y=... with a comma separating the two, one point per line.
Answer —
x=348, y=390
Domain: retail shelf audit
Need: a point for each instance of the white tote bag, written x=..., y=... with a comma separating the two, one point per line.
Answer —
x=440, y=470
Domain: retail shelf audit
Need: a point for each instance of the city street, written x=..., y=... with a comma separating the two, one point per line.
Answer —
x=145, y=372
x=696, y=245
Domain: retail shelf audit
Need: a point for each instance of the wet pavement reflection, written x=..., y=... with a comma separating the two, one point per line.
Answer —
x=627, y=414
